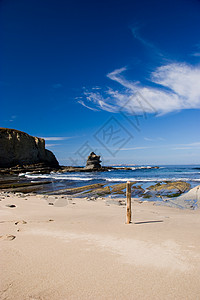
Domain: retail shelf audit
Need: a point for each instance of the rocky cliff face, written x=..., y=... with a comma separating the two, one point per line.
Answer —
x=19, y=148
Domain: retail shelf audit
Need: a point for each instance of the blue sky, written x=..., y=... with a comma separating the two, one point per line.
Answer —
x=121, y=78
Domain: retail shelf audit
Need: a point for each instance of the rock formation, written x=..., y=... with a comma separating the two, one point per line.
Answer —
x=168, y=189
x=19, y=148
x=93, y=162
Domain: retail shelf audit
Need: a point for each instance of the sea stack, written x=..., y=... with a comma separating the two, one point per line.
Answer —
x=93, y=162
x=18, y=148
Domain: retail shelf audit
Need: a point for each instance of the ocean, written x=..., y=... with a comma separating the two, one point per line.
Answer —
x=143, y=175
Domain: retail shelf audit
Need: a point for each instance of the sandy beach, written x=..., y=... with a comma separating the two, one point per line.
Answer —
x=79, y=249
x=100, y=150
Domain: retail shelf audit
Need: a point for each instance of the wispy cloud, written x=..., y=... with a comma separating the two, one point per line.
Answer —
x=188, y=146
x=12, y=118
x=153, y=140
x=91, y=108
x=96, y=88
x=135, y=31
x=116, y=76
x=197, y=144
x=173, y=87
x=196, y=54
x=56, y=138
x=149, y=139
x=135, y=148
x=52, y=145
x=193, y=146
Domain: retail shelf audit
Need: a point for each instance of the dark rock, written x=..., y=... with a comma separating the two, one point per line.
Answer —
x=137, y=191
x=99, y=189
x=77, y=190
x=64, y=169
x=122, y=168
x=25, y=187
x=93, y=162
x=11, y=205
x=41, y=168
x=21, y=184
x=18, y=148
x=115, y=189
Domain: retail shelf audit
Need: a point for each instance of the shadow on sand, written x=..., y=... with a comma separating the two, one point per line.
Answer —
x=147, y=222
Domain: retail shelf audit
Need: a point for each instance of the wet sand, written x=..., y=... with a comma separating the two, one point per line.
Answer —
x=79, y=249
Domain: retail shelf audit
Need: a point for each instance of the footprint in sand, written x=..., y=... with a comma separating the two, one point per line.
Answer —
x=7, y=237
x=20, y=222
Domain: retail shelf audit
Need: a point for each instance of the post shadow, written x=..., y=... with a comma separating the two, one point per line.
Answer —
x=148, y=222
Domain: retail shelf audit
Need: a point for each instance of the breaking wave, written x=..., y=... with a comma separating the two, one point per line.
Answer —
x=55, y=176
x=149, y=179
x=144, y=168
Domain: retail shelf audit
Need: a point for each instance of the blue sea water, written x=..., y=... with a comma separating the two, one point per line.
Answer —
x=143, y=175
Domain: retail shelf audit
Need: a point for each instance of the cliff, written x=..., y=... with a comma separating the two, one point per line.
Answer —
x=20, y=148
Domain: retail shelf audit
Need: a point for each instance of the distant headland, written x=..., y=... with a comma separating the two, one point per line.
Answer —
x=21, y=152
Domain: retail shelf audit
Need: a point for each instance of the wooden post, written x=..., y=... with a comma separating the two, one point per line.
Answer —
x=128, y=202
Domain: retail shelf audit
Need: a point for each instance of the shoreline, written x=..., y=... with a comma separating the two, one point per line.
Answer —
x=168, y=193
x=79, y=249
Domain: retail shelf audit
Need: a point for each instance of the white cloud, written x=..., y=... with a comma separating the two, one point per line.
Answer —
x=188, y=146
x=196, y=54
x=52, y=145
x=134, y=148
x=176, y=87
x=153, y=140
x=91, y=108
x=197, y=144
x=12, y=118
x=56, y=138
x=96, y=88
x=149, y=139
x=154, y=50
x=116, y=76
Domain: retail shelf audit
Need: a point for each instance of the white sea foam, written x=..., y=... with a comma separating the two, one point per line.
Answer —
x=137, y=167
x=150, y=179
x=82, y=177
x=126, y=179
x=55, y=176
x=143, y=168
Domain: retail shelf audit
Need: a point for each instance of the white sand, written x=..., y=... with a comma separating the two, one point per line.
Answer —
x=86, y=251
